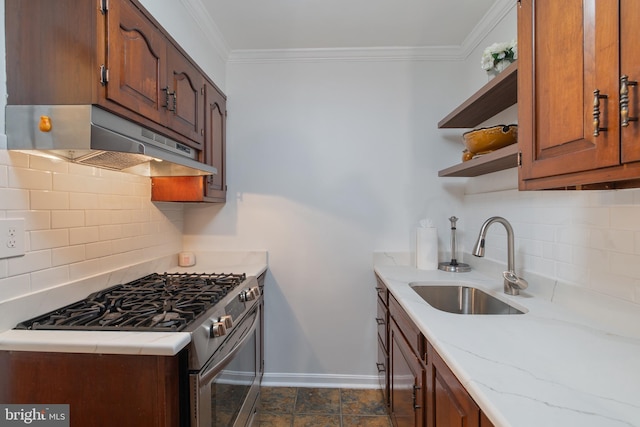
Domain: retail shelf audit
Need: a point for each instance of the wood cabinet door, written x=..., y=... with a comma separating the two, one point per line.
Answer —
x=215, y=142
x=630, y=66
x=185, y=101
x=567, y=50
x=406, y=383
x=136, y=61
x=452, y=405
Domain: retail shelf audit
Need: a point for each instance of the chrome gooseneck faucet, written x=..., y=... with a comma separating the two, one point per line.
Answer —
x=512, y=283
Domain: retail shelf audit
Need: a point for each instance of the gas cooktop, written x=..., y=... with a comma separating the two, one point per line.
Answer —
x=166, y=302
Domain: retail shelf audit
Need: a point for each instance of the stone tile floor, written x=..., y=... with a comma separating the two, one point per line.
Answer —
x=322, y=407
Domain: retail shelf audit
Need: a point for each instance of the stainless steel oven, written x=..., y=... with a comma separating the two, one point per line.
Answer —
x=225, y=392
x=221, y=368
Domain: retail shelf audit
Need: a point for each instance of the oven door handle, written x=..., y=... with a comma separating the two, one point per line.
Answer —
x=212, y=371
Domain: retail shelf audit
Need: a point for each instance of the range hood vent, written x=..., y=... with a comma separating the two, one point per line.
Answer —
x=89, y=135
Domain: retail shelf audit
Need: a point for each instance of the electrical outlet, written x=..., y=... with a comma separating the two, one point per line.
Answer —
x=11, y=237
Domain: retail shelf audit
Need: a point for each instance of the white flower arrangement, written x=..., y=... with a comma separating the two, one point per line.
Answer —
x=498, y=56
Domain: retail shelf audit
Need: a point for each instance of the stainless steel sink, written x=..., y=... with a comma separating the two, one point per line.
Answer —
x=460, y=299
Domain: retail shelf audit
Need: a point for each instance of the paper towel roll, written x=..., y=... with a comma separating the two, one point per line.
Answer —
x=427, y=248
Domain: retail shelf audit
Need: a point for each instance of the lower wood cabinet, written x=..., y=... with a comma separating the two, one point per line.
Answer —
x=422, y=390
x=102, y=390
x=407, y=380
x=452, y=405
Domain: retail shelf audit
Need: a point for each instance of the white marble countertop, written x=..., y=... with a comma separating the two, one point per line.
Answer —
x=552, y=366
x=112, y=342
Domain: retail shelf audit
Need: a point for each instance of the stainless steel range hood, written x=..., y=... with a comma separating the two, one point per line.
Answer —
x=91, y=136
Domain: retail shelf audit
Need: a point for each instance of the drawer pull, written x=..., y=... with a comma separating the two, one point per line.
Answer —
x=380, y=367
x=624, y=101
x=596, y=112
x=380, y=321
x=415, y=399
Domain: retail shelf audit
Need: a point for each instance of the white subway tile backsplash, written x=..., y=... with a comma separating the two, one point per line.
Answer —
x=97, y=217
x=110, y=232
x=67, y=255
x=47, y=239
x=49, y=278
x=68, y=182
x=29, y=178
x=592, y=216
x=14, y=198
x=80, y=221
x=31, y=261
x=81, y=270
x=48, y=164
x=625, y=217
x=131, y=230
x=78, y=236
x=120, y=217
x=625, y=264
x=14, y=158
x=612, y=239
x=98, y=249
x=67, y=219
x=49, y=200
x=585, y=238
x=34, y=220
x=4, y=177
x=613, y=284
x=83, y=201
x=14, y=286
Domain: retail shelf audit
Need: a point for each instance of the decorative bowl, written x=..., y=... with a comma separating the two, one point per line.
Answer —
x=485, y=140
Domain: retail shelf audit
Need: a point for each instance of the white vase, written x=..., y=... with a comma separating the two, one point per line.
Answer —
x=491, y=73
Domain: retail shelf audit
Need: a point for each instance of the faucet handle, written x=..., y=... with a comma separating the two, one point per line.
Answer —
x=514, y=280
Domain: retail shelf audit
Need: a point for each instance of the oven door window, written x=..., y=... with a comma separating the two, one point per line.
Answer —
x=230, y=389
x=226, y=390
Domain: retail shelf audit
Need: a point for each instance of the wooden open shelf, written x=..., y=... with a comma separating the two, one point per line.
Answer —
x=504, y=158
x=497, y=95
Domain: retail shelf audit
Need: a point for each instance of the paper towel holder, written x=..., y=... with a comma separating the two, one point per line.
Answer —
x=453, y=265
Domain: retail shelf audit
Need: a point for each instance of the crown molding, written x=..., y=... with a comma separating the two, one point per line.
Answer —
x=207, y=24
x=489, y=21
x=427, y=53
x=421, y=53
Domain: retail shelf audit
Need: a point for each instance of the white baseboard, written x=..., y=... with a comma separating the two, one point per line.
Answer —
x=320, y=380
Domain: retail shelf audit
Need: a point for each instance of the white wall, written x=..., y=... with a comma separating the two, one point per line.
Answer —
x=81, y=221
x=589, y=239
x=328, y=162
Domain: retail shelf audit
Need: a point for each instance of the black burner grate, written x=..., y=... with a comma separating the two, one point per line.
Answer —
x=157, y=302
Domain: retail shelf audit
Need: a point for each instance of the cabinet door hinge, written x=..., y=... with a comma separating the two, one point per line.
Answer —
x=104, y=75
x=104, y=6
x=519, y=159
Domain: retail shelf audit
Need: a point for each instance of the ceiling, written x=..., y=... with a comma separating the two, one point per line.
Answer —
x=336, y=24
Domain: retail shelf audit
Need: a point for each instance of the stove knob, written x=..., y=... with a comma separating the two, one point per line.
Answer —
x=247, y=295
x=256, y=291
x=218, y=329
x=227, y=320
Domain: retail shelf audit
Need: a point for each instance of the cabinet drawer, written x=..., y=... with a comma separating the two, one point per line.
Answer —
x=382, y=322
x=383, y=293
x=410, y=331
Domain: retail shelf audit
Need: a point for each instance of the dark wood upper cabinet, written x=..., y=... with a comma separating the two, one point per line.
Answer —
x=115, y=55
x=185, y=97
x=135, y=71
x=572, y=55
x=215, y=138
